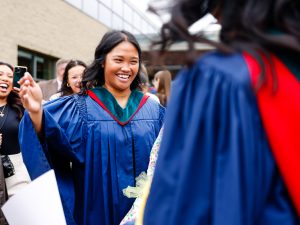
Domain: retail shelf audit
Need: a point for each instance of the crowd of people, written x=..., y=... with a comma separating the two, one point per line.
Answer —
x=218, y=145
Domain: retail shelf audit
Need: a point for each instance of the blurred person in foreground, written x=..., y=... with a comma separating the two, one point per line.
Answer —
x=106, y=131
x=230, y=154
x=71, y=83
x=50, y=87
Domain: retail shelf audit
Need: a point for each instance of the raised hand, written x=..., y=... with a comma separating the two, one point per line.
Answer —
x=31, y=97
x=30, y=94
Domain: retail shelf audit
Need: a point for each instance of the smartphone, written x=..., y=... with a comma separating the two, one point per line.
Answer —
x=19, y=72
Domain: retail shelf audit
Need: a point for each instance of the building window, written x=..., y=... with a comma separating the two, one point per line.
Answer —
x=117, y=14
x=40, y=66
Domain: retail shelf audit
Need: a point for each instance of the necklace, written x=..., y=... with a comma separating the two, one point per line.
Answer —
x=2, y=111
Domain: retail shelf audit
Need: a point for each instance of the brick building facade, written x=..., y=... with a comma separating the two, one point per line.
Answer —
x=47, y=29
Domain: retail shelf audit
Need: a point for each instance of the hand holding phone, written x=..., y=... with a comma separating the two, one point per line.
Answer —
x=19, y=72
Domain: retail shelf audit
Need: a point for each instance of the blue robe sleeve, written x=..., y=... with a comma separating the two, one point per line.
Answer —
x=215, y=165
x=62, y=131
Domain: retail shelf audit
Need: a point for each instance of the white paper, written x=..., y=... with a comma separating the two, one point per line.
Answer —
x=36, y=204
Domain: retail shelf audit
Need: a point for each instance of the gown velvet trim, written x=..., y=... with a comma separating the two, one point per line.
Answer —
x=281, y=121
x=123, y=116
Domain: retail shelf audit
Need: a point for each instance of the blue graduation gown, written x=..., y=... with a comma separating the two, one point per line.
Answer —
x=215, y=166
x=106, y=157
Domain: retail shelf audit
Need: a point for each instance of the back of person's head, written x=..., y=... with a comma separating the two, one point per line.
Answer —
x=164, y=79
x=65, y=88
x=60, y=66
x=94, y=74
x=246, y=24
x=60, y=62
x=144, y=78
x=254, y=26
x=13, y=98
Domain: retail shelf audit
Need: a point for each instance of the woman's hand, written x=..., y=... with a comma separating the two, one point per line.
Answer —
x=30, y=94
x=31, y=97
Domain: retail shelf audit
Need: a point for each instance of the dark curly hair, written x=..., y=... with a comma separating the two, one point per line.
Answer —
x=255, y=26
x=94, y=74
x=13, y=99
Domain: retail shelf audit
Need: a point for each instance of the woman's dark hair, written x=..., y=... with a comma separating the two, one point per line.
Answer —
x=65, y=89
x=13, y=99
x=94, y=74
x=253, y=26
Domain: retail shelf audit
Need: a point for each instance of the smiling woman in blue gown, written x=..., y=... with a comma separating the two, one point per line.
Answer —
x=106, y=132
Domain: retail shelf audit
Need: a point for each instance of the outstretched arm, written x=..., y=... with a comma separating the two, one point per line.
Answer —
x=31, y=97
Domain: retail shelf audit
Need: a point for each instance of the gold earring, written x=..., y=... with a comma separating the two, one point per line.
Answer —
x=68, y=85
